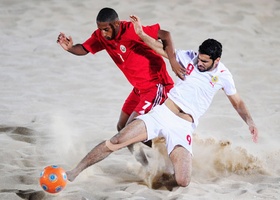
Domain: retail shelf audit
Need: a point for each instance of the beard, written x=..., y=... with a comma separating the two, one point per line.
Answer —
x=204, y=69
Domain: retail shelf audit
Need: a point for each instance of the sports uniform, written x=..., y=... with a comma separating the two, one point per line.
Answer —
x=143, y=68
x=193, y=96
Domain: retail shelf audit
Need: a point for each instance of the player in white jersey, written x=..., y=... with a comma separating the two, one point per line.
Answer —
x=195, y=93
x=201, y=76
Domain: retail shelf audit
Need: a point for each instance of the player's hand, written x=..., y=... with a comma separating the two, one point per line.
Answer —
x=178, y=69
x=65, y=42
x=137, y=24
x=254, y=132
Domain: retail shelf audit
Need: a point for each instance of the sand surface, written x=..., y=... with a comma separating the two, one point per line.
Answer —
x=54, y=106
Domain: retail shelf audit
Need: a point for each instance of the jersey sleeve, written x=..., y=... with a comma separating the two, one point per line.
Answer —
x=93, y=44
x=152, y=30
x=228, y=84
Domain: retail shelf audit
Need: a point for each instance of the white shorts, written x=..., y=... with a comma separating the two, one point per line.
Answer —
x=162, y=122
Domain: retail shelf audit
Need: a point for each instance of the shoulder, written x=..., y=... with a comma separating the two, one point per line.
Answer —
x=226, y=79
x=126, y=25
x=153, y=26
x=127, y=28
x=96, y=34
x=94, y=38
x=129, y=25
x=223, y=70
x=186, y=55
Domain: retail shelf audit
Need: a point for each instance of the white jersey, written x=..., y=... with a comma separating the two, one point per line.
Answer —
x=195, y=94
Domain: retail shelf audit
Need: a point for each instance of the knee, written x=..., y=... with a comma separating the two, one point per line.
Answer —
x=115, y=140
x=182, y=181
x=113, y=144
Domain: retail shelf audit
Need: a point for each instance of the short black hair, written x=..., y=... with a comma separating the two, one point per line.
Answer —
x=107, y=15
x=212, y=48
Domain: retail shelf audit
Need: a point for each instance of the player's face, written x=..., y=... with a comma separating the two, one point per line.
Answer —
x=205, y=63
x=108, y=30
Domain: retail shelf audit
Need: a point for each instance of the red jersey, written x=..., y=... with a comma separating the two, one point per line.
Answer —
x=142, y=67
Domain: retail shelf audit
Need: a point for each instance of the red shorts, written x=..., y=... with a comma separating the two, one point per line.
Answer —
x=143, y=102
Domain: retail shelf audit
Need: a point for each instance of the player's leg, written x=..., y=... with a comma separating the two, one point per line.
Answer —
x=127, y=109
x=122, y=120
x=182, y=162
x=137, y=149
x=97, y=154
x=133, y=115
x=127, y=115
x=132, y=133
x=178, y=134
x=148, y=100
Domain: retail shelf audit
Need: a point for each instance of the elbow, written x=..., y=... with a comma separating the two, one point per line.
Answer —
x=165, y=37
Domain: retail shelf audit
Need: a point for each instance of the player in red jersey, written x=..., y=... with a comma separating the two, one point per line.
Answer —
x=143, y=67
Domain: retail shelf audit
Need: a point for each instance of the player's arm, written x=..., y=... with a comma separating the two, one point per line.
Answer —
x=244, y=113
x=165, y=48
x=169, y=48
x=154, y=44
x=67, y=44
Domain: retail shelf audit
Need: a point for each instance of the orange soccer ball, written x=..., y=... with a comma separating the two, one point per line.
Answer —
x=53, y=179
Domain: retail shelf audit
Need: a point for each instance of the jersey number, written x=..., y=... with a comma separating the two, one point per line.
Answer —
x=121, y=57
x=189, y=139
x=189, y=69
x=147, y=104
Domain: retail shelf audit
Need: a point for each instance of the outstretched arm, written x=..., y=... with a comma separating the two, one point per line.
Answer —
x=67, y=44
x=244, y=113
x=165, y=48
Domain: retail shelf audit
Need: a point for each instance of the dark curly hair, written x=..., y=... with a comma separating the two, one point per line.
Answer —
x=212, y=48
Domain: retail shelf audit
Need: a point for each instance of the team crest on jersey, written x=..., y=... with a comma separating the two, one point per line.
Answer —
x=122, y=48
x=214, y=79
